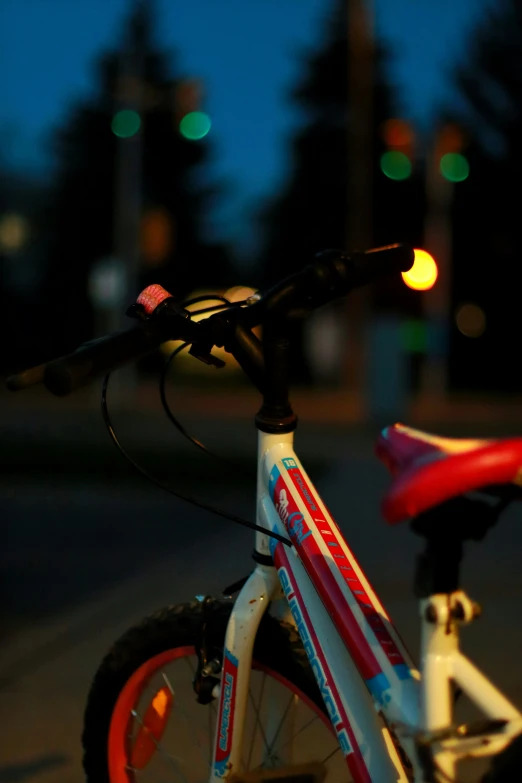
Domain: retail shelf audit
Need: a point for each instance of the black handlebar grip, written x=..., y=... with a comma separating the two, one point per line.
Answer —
x=364, y=268
x=391, y=259
x=348, y=271
x=97, y=357
x=23, y=380
x=336, y=273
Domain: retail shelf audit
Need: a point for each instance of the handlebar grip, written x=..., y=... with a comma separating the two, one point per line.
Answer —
x=23, y=380
x=165, y=321
x=339, y=273
x=333, y=274
x=387, y=260
x=97, y=357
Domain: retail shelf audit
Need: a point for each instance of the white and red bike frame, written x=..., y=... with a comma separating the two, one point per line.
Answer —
x=366, y=678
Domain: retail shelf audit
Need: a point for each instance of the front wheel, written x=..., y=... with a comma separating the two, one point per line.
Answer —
x=143, y=721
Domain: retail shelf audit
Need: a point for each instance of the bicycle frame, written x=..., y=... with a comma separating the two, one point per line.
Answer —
x=363, y=671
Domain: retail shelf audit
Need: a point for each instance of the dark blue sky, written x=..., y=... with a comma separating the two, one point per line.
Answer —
x=246, y=52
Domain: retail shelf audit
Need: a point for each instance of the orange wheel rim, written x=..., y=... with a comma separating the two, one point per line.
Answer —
x=121, y=751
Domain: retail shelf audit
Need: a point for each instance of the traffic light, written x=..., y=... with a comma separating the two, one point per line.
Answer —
x=453, y=164
x=396, y=162
x=424, y=272
x=193, y=124
x=156, y=236
x=125, y=123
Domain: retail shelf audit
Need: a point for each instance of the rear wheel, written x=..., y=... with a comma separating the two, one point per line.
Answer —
x=144, y=723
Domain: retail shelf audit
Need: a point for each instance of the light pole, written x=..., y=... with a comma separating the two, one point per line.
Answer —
x=359, y=175
x=437, y=301
x=128, y=202
x=128, y=177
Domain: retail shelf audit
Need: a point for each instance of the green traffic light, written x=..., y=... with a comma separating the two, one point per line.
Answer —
x=414, y=336
x=195, y=125
x=395, y=165
x=454, y=167
x=126, y=123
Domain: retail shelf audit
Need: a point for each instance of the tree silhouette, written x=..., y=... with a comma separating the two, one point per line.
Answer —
x=23, y=202
x=311, y=212
x=85, y=193
x=486, y=207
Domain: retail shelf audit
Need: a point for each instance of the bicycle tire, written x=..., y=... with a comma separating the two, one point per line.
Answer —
x=278, y=653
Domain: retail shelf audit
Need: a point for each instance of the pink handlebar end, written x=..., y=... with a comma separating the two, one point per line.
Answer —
x=151, y=297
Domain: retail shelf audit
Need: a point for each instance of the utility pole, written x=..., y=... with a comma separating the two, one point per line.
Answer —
x=437, y=301
x=128, y=205
x=128, y=178
x=359, y=172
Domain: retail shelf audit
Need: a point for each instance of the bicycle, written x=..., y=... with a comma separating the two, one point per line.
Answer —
x=306, y=642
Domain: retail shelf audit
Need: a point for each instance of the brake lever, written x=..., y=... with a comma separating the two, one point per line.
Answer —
x=204, y=355
x=199, y=350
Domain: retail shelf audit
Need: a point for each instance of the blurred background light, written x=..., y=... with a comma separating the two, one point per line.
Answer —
x=126, y=123
x=14, y=231
x=470, y=320
x=395, y=165
x=195, y=125
x=106, y=283
x=157, y=236
x=239, y=292
x=414, y=335
x=454, y=167
x=423, y=274
x=397, y=133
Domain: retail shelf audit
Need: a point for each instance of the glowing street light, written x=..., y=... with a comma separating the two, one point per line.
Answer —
x=423, y=274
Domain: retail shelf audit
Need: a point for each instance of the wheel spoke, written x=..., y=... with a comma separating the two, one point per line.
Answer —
x=198, y=741
x=173, y=761
x=167, y=682
x=276, y=735
x=329, y=756
x=258, y=721
x=297, y=733
x=169, y=744
x=210, y=737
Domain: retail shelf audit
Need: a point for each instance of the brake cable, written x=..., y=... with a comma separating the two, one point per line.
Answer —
x=163, y=395
x=164, y=373
x=181, y=496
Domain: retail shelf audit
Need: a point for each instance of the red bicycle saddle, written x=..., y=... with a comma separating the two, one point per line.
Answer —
x=429, y=469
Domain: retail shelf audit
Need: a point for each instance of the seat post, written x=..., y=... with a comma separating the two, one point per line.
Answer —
x=438, y=567
x=445, y=529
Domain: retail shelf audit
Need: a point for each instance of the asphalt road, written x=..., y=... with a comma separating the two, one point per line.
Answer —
x=83, y=557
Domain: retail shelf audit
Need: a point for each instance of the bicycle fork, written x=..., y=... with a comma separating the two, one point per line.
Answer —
x=251, y=604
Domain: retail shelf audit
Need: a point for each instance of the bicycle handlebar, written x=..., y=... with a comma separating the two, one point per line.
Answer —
x=332, y=275
x=64, y=375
